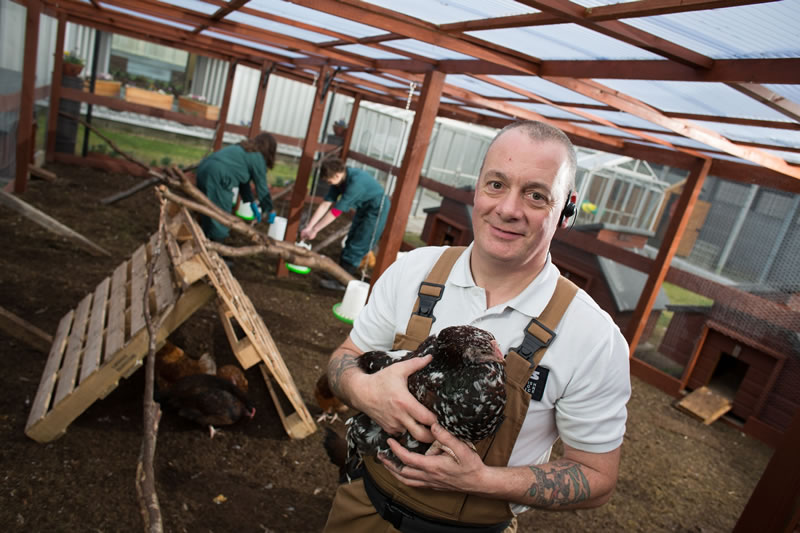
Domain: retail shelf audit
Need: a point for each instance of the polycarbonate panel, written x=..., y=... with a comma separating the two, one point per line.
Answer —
x=139, y=15
x=277, y=27
x=562, y=41
x=253, y=44
x=548, y=111
x=738, y=132
x=377, y=79
x=194, y=5
x=369, y=51
x=446, y=11
x=546, y=89
x=694, y=97
x=314, y=18
x=753, y=31
x=427, y=50
x=479, y=87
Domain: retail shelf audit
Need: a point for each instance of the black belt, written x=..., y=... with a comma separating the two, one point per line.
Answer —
x=408, y=521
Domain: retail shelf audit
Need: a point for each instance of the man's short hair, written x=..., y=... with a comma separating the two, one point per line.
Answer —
x=542, y=132
x=330, y=167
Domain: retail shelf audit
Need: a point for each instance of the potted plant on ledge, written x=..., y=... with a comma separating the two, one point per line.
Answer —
x=72, y=65
x=195, y=104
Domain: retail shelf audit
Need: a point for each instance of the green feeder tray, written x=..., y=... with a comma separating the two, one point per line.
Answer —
x=341, y=317
x=297, y=269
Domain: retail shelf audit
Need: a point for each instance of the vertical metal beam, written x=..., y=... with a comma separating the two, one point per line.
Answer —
x=774, y=504
x=310, y=145
x=261, y=96
x=25, y=138
x=351, y=127
x=408, y=178
x=672, y=237
x=223, y=112
x=55, y=88
x=776, y=247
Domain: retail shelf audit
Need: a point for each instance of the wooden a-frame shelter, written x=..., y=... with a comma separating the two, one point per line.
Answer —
x=362, y=50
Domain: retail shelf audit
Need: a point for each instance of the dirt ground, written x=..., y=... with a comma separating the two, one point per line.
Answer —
x=676, y=474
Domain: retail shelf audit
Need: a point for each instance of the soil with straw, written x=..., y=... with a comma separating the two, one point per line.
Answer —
x=676, y=474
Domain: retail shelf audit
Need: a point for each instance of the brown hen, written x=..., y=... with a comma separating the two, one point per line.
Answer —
x=327, y=401
x=173, y=364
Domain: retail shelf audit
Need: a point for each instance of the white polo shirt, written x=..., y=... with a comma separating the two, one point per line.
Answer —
x=589, y=380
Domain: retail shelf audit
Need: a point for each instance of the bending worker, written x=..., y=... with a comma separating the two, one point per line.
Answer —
x=351, y=188
x=237, y=165
x=572, y=383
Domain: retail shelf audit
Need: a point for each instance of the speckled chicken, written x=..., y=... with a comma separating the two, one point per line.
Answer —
x=463, y=385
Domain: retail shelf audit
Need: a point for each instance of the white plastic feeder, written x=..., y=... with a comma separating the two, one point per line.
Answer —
x=355, y=298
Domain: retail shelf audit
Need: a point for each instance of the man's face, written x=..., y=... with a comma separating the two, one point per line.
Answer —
x=518, y=200
x=336, y=179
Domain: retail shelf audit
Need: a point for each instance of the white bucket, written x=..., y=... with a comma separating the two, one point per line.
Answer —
x=277, y=230
x=355, y=297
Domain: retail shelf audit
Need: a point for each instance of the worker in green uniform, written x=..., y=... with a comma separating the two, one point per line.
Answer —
x=351, y=188
x=237, y=165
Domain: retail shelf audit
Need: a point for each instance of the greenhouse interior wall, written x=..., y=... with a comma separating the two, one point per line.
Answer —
x=734, y=290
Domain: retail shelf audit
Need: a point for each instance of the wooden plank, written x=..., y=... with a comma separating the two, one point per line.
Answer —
x=705, y=404
x=243, y=348
x=162, y=281
x=294, y=425
x=94, y=337
x=129, y=357
x=69, y=371
x=138, y=279
x=24, y=331
x=115, y=332
x=45, y=391
x=49, y=223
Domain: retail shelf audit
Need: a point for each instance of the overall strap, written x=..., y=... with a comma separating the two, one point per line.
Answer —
x=539, y=332
x=430, y=292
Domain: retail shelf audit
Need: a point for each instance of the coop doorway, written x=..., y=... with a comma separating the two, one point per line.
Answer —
x=728, y=375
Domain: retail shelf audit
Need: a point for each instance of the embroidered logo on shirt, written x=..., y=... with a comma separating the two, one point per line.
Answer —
x=536, y=383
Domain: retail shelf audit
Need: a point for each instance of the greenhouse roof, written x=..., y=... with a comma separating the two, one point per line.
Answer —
x=664, y=80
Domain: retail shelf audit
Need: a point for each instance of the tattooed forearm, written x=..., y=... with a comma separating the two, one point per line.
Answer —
x=559, y=484
x=337, y=367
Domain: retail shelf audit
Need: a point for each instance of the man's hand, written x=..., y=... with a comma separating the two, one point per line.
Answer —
x=439, y=470
x=384, y=397
x=256, y=211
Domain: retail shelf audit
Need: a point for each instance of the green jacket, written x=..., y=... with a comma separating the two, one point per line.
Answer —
x=234, y=167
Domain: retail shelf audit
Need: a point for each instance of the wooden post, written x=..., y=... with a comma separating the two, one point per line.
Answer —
x=351, y=126
x=300, y=190
x=672, y=237
x=55, y=89
x=223, y=112
x=25, y=138
x=775, y=502
x=261, y=96
x=408, y=177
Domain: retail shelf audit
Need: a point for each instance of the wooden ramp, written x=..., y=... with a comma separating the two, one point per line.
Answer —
x=705, y=405
x=104, y=338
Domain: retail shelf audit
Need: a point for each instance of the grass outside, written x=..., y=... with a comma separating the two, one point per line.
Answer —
x=677, y=296
x=155, y=147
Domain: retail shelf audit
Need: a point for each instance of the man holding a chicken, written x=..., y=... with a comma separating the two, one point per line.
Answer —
x=566, y=363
